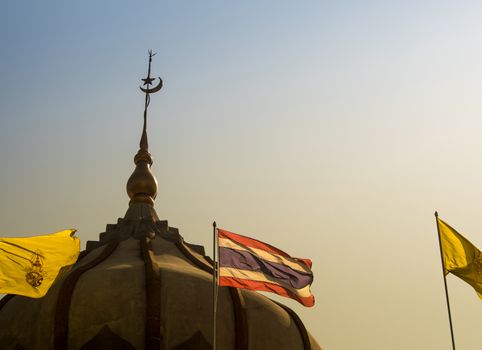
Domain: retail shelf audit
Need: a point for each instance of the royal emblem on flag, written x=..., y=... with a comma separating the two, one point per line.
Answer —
x=35, y=275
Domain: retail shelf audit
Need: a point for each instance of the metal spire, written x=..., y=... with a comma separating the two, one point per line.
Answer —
x=148, y=81
x=142, y=185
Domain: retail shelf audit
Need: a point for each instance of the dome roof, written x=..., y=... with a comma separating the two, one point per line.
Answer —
x=141, y=286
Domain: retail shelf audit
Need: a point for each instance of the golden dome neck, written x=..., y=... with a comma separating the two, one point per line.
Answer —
x=142, y=184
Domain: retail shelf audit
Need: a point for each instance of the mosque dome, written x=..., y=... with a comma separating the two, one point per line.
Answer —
x=141, y=286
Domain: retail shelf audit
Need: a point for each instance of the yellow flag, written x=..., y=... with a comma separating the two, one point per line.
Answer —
x=29, y=266
x=460, y=257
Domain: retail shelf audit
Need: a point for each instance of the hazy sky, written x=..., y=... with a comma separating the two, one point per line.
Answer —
x=330, y=131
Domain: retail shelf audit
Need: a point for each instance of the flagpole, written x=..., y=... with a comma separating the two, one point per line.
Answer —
x=445, y=282
x=215, y=284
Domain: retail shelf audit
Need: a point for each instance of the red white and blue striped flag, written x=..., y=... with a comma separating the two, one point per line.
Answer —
x=251, y=264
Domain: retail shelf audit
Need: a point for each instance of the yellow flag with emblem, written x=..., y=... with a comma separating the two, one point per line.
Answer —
x=29, y=265
x=460, y=257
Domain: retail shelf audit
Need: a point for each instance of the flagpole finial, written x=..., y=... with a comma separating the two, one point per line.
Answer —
x=436, y=214
x=142, y=185
x=214, y=224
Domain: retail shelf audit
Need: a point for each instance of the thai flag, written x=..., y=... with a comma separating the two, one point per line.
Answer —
x=251, y=264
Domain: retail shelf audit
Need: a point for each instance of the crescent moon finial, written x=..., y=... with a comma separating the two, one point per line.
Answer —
x=154, y=89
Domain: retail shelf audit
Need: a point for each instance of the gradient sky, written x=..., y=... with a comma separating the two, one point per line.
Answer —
x=330, y=131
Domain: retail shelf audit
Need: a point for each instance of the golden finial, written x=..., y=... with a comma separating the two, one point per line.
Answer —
x=142, y=185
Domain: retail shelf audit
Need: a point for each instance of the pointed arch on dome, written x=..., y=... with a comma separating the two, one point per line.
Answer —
x=197, y=341
x=107, y=340
x=61, y=325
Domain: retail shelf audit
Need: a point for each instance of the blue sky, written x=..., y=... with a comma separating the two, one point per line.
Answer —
x=332, y=131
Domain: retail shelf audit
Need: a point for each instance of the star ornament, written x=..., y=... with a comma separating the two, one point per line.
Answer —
x=148, y=80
